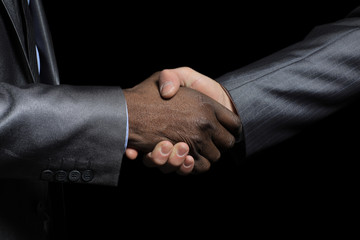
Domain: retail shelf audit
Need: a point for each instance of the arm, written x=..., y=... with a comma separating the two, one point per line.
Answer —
x=278, y=96
x=66, y=133
x=46, y=131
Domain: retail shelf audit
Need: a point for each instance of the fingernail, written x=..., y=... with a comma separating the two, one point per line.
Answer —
x=181, y=152
x=165, y=150
x=187, y=163
x=166, y=88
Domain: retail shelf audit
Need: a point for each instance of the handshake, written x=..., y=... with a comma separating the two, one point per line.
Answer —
x=181, y=120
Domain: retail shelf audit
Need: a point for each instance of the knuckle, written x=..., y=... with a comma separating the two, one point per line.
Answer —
x=204, y=124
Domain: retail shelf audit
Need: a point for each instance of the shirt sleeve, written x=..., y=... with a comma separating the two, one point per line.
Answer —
x=127, y=126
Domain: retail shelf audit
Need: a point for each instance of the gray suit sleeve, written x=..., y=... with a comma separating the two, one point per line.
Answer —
x=278, y=96
x=62, y=133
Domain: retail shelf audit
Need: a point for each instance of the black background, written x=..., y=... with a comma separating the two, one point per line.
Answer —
x=296, y=186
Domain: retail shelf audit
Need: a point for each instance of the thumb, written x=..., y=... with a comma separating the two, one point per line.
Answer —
x=172, y=79
x=169, y=83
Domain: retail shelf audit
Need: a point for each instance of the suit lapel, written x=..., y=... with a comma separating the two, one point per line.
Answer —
x=13, y=9
x=49, y=71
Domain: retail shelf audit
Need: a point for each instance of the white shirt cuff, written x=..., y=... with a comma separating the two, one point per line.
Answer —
x=127, y=127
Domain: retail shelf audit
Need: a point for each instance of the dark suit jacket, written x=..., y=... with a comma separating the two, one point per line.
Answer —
x=280, y=95
x=48, y=132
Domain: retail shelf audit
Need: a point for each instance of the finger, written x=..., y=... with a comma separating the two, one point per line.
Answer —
x=131, y=153
x=228, y=119
x=222, y=138
x=159, y=156
x=187, y=166
x=209, y=151
x=176, y=160
x=178, y=154
x=201, y=164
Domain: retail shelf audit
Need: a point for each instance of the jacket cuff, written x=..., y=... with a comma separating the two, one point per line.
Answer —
x=239, y=147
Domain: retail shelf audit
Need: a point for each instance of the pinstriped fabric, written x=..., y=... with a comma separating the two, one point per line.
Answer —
x=278, y=96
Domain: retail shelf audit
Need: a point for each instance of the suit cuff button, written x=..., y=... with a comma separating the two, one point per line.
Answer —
x=47, y=175
x=87, y=175
x=60, y=176
x=74, y=176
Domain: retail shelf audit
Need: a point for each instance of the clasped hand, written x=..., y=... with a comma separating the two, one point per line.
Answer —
x=185, y=129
